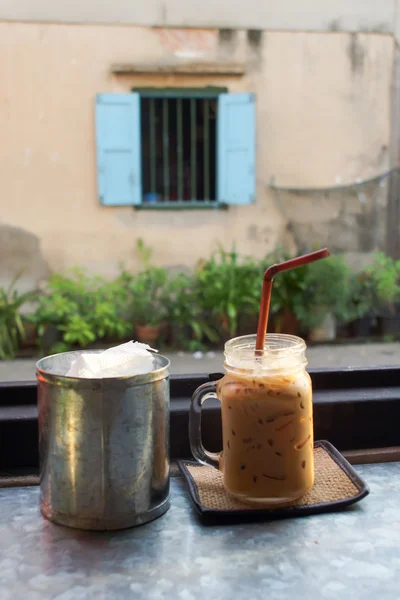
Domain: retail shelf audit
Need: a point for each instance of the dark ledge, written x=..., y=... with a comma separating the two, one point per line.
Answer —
x=355, y=409
x=181, y=68
x=199, y=205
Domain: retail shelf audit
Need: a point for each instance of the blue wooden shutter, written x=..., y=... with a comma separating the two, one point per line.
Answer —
x=236, y=148
x=118, y=149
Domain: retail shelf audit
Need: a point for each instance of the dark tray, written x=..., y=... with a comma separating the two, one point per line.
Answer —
x=337, y=485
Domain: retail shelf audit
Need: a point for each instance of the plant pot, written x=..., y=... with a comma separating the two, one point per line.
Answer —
x=286, y=322
x=326, y=332
x=390, y=325
x=363, y=327
x=148, y=334
x=30, y=335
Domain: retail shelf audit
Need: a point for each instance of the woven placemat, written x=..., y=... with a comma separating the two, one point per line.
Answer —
x=336, y=485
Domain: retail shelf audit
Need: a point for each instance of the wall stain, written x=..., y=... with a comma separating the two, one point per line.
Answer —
x=354, y=221
x=252, y=232
x=356, y=54
x=334, y=25
x=255, y=41
x=255, y=38
x=21, y=253
x=164, y=12
x=380, y=28
x=381, y=158
x=186, y=39
x=227, y=37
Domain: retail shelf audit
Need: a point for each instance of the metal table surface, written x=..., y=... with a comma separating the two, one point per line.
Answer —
x=350, y=554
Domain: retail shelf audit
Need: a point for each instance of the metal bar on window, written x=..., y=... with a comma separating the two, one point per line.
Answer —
x=179, y=147
x=153, y=156
x=206, y=150
x=165, y=149
x=193, y=157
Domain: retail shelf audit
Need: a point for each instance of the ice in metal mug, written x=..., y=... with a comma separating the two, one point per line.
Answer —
x=103, y=445
x=267, y=421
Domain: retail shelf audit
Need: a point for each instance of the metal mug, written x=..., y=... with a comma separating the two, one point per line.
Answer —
x=103, y=446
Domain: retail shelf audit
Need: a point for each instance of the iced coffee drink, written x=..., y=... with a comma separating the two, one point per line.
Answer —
x=267, y=423
x=267, y=435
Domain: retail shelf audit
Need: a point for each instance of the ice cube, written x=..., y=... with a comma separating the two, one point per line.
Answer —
x=131, y=358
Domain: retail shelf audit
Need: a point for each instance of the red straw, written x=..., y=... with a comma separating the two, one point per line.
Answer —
x=269, y=274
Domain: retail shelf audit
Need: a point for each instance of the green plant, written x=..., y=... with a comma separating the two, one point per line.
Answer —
x=288, y=290
x=228, y=289
x=148, y=291
x=185, y=313
x=83, y=309
x=361, y=296
x=110, y=307
x=374, y=289
x=145, y=253
x=310, y=292
x=385, y=274
x=219, y=299
x=11, y=324
x=149, y=298
x=325, y=290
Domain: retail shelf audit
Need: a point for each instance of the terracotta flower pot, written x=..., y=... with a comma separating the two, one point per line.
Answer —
x=30, y=335
x=148, y=334
x=286, y=322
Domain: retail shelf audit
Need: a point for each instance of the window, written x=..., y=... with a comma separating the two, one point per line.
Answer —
x=175, y=149
x=178, y=149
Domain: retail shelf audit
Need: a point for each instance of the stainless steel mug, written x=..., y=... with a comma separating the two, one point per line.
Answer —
x=103, y=446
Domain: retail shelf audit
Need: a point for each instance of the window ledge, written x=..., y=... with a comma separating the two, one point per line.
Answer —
x=186, y=68
x=182, y=206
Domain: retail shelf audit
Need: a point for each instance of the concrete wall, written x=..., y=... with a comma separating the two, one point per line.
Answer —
x=323, y=119
x=295, y=15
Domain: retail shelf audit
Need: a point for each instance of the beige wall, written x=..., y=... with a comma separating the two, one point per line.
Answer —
x=323, y=118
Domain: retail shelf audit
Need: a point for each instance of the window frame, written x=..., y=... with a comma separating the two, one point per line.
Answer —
x=206, y=92
x=180, y=92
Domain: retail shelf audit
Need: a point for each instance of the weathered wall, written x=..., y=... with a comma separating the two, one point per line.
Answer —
x=295, y=15
x=323, y=118
x=21, y=258
x=351, y=220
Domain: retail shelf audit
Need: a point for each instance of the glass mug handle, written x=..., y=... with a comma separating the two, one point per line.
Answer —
x=203, y=393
